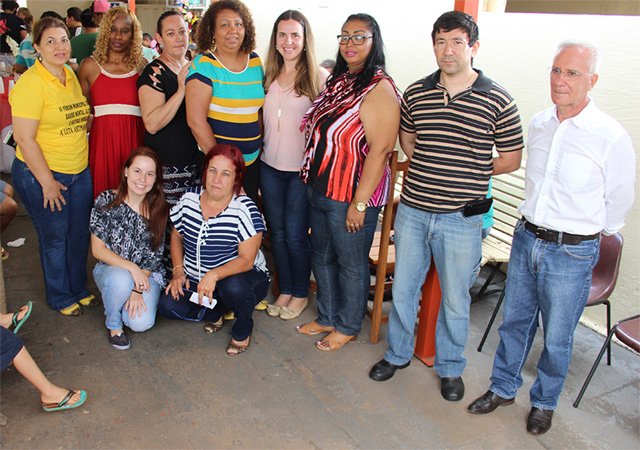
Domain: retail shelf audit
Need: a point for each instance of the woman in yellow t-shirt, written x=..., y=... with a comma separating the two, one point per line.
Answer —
x=50, y=172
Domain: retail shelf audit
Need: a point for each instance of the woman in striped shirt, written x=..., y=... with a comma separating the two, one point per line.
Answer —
x=215, y=250
x=224, y=87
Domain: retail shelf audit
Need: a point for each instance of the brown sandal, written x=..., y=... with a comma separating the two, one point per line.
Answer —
x=211, y=327
x=334, y=341
x=313, y=328
x=235, y=349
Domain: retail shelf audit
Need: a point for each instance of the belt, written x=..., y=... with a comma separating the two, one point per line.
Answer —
x=557, y=236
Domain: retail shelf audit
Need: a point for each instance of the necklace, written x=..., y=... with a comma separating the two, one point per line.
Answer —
x=281, y=93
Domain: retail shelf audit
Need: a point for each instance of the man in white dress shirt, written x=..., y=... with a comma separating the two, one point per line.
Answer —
x=579, y=184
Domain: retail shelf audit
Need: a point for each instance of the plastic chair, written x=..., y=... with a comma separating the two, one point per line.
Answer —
x=603, y=281
x=628, y=332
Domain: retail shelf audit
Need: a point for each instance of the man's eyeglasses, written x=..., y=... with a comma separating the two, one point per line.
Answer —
x=357, y=39
x=568, y=74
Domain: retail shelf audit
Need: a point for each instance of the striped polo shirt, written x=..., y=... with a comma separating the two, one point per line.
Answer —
x=212, y=243
x=453, y=157
x=236, y=99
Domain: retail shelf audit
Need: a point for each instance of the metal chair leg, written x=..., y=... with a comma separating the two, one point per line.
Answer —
x=608, y=305
x=494, y=271
x=607, y=344
x=493, y=318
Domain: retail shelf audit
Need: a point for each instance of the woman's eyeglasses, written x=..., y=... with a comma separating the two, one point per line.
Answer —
x=357, y=39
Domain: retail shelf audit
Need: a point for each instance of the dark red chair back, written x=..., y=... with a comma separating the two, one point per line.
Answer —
x=605, y=274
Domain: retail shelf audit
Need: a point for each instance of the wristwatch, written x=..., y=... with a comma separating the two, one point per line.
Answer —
x=360, y=207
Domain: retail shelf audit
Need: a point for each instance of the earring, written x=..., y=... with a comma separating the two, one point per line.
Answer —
x=214, y=46
x=161, y=45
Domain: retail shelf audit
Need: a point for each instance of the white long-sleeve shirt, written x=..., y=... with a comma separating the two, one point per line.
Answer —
x=580, y=172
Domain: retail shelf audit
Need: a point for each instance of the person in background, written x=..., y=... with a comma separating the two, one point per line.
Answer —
x=98, y=9
x=328, y=64
x=146, y=40
x=127, y=234
x=148, y=52
x=191, y=54
x=224, y=86
x=215, y=248
x=161, y=90
x=108, y=80
x=74, y=21
x=50, y=172
x=292, y=82
x=10, y=26
x=579, y=184
x=444, y=196
x=350, y=131
x=26, y=16
x=12, y=350
x=83, y=45
x=28, y=55
x=8, y=209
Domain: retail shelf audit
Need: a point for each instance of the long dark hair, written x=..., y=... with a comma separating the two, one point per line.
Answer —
x=374, y=61
x=154, y=207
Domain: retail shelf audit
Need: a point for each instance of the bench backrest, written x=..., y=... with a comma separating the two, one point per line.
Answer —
x=507, y=192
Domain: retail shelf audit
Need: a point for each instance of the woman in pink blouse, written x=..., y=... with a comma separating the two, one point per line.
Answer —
x=293, y=80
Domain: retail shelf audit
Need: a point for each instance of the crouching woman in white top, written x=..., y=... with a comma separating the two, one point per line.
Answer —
x=215, y=250
x=127, y=232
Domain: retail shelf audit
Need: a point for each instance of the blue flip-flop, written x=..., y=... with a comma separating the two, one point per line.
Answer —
x=64, y=404
x=18, y=323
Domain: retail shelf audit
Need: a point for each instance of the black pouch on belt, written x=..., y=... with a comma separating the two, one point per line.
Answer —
x=476, y=207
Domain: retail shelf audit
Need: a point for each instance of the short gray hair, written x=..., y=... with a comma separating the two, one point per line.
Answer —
x=594, y=52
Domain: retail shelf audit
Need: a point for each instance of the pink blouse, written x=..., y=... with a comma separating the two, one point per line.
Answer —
x=283, y=111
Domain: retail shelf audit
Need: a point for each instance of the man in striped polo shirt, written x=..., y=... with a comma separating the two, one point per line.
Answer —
x=451, y=121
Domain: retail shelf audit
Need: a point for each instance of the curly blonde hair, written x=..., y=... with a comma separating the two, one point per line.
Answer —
x=133, y=59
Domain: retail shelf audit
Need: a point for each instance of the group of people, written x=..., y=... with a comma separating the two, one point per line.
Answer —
x=206, y=137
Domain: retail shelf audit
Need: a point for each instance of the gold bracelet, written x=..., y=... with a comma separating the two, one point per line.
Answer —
x=177, y=267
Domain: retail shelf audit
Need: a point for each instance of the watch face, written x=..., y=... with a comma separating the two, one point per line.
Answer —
x=361, y=206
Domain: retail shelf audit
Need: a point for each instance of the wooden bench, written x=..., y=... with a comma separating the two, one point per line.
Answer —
x=508, y=193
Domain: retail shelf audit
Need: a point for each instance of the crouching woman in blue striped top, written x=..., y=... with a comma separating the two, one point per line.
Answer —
x=215, y=250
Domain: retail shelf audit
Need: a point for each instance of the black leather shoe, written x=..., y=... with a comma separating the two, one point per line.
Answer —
x=383, y=370
x=539, y=420
x=488, y=402
x=452, y=389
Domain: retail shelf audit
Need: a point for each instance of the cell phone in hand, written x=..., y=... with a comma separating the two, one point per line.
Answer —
x=206, y=301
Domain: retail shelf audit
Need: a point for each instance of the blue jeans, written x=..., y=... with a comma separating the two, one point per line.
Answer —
x=455, y=243
x=286, y=208
x=63, y=236
x=340, y=262
x=554, y=280
x=240, y=293
x=115, y=284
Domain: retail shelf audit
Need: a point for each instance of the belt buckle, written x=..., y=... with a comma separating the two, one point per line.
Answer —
x=541, y=233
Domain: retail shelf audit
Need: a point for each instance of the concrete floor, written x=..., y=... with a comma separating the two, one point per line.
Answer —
x=176, y=387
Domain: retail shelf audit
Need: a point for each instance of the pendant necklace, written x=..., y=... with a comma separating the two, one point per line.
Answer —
x=280, y=96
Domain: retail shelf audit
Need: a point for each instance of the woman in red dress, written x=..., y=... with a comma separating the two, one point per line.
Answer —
x=108, y=80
